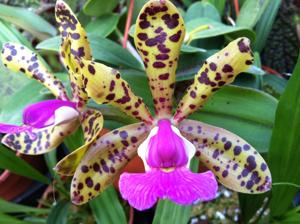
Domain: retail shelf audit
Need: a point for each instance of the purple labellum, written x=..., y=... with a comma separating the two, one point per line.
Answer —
x=42, y=114
x=166, y=155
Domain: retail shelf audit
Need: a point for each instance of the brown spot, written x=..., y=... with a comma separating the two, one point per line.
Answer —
x=227, y=68
x=164, y=76
x=91, y=69
x=142, y=36
x=158, y=64
x=175, y=37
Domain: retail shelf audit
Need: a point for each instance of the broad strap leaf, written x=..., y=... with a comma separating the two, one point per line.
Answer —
x=236, y=164
x=218, y=70
x=92, y=123
x=158, y=36
x=19, y=58
x=104, y=161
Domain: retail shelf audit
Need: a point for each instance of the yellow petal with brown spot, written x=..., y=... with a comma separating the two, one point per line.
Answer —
x=40, y=141
x=158, y=36
x=77, y=80
x=236, y=164
x=218, y=70
x=105, y=85
x=104, y=161
x=17, y=58
x=92, y=123
x=69, y=26
x=72, y=33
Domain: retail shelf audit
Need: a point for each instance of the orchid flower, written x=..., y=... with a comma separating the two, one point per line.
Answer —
x=167, y=142
x=47, y=123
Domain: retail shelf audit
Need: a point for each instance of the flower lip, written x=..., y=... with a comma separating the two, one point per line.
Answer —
x=166, y=148
x=42, y=114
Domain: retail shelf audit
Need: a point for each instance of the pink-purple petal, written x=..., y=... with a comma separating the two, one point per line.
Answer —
x=9, y=128
x=166, y=148
x=183, y=187
x=42, y=114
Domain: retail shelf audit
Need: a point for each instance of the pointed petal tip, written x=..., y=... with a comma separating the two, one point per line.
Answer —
x=76, y=200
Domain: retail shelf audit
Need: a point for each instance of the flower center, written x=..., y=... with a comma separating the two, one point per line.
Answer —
x=165, y=148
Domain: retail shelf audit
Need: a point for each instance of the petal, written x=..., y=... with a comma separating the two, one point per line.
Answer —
x=183, y=157
x=19, y=58
x=76, y=79
x=9, y=128
x=236, y=164
x=218, y=70
x=33, y=117
x=69, y=25
x=71, y=30
x=39, y=141
x=104, y=160
x=158, y=37
x=180, y=186
x=92, y=123
x=105, y=85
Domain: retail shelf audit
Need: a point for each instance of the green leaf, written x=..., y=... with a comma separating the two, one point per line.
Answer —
x=59, y=213
x=98, y=8
x=27, y=20
x=9, y=33
x=9, y=207
x=50, y=159
x=249, y=205
x=10, y=219
x=11, y=109
x=274, y=85
x=219, y=4
x=106, y=208
x=246, y=112
x=190, y=49
x=250, y=12
x=103, y=49
x=75, y=140
x=265, y=23
x=284, y=150
x=9, y=161
x=103, y=25
x=291, y=216
x=215, y=29
x=168, y=212
x=202, y=9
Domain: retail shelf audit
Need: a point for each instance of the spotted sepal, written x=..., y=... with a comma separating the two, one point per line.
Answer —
x=105, y=85
x=17, y=58
x=39, y=141
x=80, y=96
x=158, y=36
x=218, y=70
x=92, y=123
x=236, y=164
x=104, y=161
x=69, y=26
x=72, y=34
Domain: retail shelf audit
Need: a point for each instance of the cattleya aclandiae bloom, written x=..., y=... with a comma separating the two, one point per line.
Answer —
x=47, y=123
x=165, y=143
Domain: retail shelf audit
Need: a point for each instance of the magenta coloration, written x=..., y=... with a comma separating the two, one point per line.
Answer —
x=42, y=114
x=167, y=156
x=37, y=115
x=142, y=190
x=166, y=148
